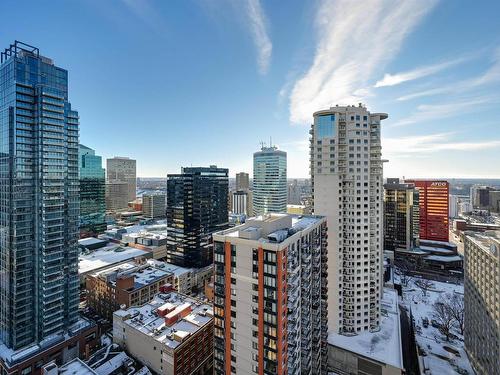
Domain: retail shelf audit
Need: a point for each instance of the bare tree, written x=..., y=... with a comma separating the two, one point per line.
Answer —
x=403, y=270
x=456, y=305
x=442, y=315
x=424, y=285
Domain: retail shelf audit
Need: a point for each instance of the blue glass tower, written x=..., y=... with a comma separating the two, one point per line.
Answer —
x=92, y=193
x=270, y=188
x=39, y=199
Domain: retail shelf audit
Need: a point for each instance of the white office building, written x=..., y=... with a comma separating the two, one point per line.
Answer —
x=346, y=173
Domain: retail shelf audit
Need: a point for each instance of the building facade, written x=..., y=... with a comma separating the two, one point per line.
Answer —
x=154, y=205
x=270, y=296
x=92, y=193
x=346, y=175
x=242, y=181
x=401, y=215
x=434, y=206
x=241, y=202
x=269, y=181
x=171, y=335
x=196, y=208
x=120, y=171
x=126, y=284
x=39, y=204
x=481, y=299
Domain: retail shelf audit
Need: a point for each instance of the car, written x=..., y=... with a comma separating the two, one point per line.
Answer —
x=425, y=322
x=435, y=324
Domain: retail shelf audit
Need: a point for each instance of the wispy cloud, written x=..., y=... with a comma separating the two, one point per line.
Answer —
x=147, y=14
x=490, y=76
x=420, y=145
x=258, y=28
x=424, y=71
x=356, y=39
x=429, y=112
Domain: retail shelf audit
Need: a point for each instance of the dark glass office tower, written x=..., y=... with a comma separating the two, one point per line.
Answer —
x=92, y=193
x=197, y=201
x=401, y=215
x=39, y=203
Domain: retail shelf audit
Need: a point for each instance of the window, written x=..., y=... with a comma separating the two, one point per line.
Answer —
x=325, y=125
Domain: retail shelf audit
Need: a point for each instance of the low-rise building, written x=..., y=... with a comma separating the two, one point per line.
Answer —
x=125, y=285
x=298, y=209
x=79, y=341
x=90, y=261
x=172, y=334
x=370, y=352
x=482, y=301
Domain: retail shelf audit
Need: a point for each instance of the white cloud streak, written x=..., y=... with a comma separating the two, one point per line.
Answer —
x=404, y=146
x=424, y=71
x=490, y=76
x=429, y=112
x=258, y=28
x=356, y=39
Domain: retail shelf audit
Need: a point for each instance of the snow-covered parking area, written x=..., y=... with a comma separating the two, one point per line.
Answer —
x=436, y=354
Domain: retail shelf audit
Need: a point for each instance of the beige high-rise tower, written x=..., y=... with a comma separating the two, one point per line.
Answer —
x=346, y=175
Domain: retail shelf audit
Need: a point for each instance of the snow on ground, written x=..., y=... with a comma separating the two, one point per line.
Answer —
x=436, y=359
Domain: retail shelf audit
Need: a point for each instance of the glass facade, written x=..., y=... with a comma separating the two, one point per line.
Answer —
x=325, y=126
x=39, y=199
x=92, y=193
x=197, y=206
x=270, y=189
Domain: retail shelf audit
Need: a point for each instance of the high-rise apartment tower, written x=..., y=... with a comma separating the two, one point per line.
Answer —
x=270, y=297
x=346, y=174
x=39, y=203
x=481, y=300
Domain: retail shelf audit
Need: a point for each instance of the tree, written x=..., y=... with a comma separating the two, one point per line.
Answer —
x=424, y=285
x=456, y=305
x=403, y=270
x=442, y=315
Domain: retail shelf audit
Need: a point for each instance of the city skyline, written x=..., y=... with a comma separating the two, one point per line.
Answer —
x=439, y=85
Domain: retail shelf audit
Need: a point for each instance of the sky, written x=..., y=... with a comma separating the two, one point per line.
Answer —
x=183, y=82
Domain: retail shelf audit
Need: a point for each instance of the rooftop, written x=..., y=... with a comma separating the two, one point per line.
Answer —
x=144, y=274
x=271, y=228
x=488, y=241
x=384, y=345
x=163, y=319
x=107, y=256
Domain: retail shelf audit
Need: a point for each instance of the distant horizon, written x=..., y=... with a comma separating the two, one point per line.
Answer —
x=406, y=178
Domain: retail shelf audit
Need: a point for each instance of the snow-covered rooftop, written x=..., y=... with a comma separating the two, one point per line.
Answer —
x=107, y=256
x=444, y=259
x=76, y=367
x=147, y=320
x=144, y=274
x=384, y=345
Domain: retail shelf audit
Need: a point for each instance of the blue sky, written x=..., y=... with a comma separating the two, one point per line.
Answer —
x=185, y=82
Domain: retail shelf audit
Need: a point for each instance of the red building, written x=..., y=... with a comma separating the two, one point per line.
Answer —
x=434, y=206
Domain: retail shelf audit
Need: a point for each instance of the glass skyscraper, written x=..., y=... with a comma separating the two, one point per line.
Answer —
x=197, y=206
x=39, y=203
x=92, y=192
x=270, y=188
